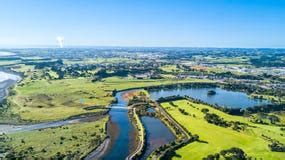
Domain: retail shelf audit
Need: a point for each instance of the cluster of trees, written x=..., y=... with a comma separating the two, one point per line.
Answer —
x=141, y=98
x=277, y=147
x=232, y=75
x=183, y=111
x=268, y=61
x=182, y=86
x=261, y=118
x=216, y=120
x=43, y=64
x=267, y=108
x=170, y=98
x=253, y=89
x=142, y=110
x=104, y=74
x=232, y=153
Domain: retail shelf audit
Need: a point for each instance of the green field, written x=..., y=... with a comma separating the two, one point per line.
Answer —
x=75, y=139
x=220, y=138
x=171, y=69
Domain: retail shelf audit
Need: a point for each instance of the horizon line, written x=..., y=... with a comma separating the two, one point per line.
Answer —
x=122, y=46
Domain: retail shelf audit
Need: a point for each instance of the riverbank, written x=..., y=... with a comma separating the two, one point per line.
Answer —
x=99, y=151
x=141, y=135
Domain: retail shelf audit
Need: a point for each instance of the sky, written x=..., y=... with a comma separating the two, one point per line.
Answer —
x=143, y=23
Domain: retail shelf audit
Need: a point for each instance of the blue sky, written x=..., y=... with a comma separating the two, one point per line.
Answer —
x=170, y=23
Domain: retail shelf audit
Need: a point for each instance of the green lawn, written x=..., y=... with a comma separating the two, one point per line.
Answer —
x=77, y=139
x=220, y=138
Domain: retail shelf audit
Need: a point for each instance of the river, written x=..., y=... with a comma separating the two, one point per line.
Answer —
x=121, y=142
x=6, y=81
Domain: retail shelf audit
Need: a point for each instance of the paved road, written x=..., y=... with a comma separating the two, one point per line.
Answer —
x=19, y=128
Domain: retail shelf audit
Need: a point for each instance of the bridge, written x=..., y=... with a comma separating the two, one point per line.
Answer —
x=122, y=106
x=118, y=107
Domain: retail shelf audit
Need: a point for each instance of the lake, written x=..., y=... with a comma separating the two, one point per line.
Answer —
x=222, y=97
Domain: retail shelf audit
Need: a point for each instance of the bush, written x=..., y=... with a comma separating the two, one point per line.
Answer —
x=205, y=110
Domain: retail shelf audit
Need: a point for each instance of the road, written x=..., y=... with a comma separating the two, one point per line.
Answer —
x=19, y=128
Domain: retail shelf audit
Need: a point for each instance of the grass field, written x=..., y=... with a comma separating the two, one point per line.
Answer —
x=219, y=138
x=76, y=139
x=44, y=100
x=171, y=69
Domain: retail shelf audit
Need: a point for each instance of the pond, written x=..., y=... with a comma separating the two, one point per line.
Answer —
x=222, y=97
